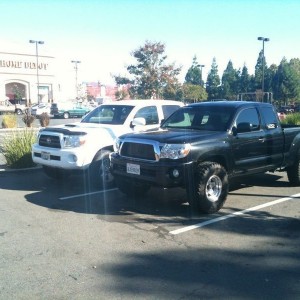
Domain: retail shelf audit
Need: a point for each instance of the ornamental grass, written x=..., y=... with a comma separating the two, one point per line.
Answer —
x=16, y=148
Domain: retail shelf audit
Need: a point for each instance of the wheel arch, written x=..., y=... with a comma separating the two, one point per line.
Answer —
x=98, y=154
x=221, y=159
x=294, y=152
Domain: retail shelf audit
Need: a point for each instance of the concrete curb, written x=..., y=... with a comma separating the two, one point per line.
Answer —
x=7, y=169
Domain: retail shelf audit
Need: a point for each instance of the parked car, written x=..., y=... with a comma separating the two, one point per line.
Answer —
x=7, y=107
x=38, y=109
x=85, y=146
x=69, y=110
x=287, y=109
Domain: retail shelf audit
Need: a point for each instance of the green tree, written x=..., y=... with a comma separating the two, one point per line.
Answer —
x=152, y=76
x=173, y=92
x=193, y=92
x=194, y=73
x=270, y=76
x=213, y=81
x=291, y=81
x=246, y=81
x=278, y=86
x=286, y=81
x=258, y=74
x=230, y=82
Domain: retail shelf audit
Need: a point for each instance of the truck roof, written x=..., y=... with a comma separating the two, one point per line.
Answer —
x=235, y=104
x=144, y=102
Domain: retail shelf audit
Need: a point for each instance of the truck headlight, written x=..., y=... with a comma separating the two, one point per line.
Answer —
x=175, y=151
x=73, y=141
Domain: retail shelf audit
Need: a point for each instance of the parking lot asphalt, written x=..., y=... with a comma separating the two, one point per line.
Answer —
x=60, y=240
x=63, y=240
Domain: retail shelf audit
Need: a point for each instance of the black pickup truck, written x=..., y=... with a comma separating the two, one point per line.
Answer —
x=202, y=146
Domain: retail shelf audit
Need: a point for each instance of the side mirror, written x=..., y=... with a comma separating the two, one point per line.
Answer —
x=138, y=122
x=243, y=127
x=271, y=126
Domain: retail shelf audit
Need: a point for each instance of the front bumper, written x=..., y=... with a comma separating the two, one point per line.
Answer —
x=159, y=173
x=69, y=159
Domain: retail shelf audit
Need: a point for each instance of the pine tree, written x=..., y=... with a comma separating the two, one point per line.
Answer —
x=230, y=82
x=194, y=73
x=213, y=81
x=258, y=74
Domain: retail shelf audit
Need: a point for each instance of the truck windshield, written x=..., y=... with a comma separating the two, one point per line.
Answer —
x=200, y=118
x=108, y=114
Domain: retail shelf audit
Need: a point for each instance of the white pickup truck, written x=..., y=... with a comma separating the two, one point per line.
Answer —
x=7, y=107
x=86, y=145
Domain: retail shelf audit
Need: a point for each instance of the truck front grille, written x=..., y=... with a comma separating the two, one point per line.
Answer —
x=137, y=150
x=50, y=141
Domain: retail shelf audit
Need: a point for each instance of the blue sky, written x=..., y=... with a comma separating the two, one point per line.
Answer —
x=102, y=34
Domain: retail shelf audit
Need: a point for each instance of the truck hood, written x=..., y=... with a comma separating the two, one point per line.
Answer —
x=177, y=136
x=89, y=128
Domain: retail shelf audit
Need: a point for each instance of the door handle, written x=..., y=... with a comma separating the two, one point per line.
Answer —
x=262, y=140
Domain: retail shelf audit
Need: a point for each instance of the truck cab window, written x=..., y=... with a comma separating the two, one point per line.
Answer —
x=249, y=116
x=270, y=117
x=149, y=113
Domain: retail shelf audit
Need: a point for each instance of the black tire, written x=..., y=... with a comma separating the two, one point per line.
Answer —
x=56, y=173
x=293, y=172
x=99, y=170
x=210, y=188
x=131, y=187
x=66, y=115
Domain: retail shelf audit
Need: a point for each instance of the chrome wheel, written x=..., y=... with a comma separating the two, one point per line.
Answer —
x=209, y=190
x=213, y=188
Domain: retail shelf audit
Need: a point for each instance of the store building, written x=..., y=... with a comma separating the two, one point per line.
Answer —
x=29, y=74
x=21, y=79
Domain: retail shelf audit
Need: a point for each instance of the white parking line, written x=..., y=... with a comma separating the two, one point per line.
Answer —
x=238, y=213
x=86, y=194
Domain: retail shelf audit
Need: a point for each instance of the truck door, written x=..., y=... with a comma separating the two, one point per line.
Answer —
x=248, y=147
x=274, y=139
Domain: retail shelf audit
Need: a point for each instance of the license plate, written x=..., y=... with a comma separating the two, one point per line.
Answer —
x=133, y=169
x=45, y=155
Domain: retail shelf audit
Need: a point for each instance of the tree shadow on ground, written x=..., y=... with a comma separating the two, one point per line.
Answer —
x=258, y=272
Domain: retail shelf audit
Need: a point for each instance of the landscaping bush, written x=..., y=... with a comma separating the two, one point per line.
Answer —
x=9, y=121
x=292, y=119
x=28, y=119
x=44, y=119
x=16, y=148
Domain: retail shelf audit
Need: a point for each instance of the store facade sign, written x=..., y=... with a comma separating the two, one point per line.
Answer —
x=12, y=64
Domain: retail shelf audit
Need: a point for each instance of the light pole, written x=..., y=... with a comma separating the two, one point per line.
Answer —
x=201, y=66
x=76, y=62
x=263, y=39
x=37, y=65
